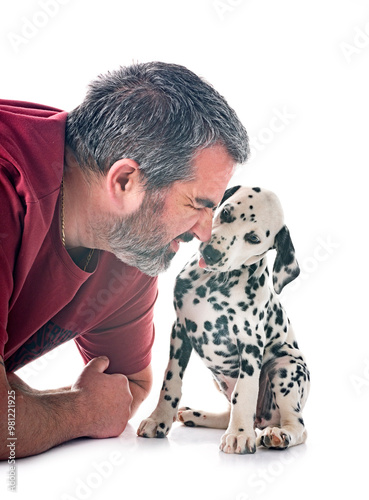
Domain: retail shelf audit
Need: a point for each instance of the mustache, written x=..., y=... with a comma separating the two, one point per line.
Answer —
x=185, y=237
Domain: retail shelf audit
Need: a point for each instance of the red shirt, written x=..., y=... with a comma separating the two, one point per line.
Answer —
x=45, y=299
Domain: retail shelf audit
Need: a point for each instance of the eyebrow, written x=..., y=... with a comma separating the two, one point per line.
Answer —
x=205, y=202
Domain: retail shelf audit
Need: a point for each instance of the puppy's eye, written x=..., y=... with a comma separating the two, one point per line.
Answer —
x=252, y=238
x=226, y=215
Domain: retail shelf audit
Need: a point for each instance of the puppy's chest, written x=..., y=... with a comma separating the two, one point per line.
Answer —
x=200, y=295
x=223, y=317
x=215, y=314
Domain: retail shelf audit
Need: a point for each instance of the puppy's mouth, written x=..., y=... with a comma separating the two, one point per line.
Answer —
x=211, y=268
x=202, y=263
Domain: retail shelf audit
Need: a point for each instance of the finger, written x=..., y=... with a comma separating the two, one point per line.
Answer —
x=99, y=364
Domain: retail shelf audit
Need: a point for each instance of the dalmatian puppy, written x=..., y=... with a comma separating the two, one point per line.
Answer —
x=233, y=319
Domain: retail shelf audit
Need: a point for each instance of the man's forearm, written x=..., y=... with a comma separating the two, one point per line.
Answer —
x=98, y=405
x=43, y=421
x=17, y=383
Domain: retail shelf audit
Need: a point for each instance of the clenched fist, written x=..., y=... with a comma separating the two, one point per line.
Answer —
x=105, y=399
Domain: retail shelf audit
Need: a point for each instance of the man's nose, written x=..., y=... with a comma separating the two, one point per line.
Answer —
x=203, y=227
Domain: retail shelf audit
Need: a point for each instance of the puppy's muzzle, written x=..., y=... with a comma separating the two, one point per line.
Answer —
x=211, y=255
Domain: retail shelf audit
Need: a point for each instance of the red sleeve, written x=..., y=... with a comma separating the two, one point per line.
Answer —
x=127, y=336
x=11, y=219
x=5, y=292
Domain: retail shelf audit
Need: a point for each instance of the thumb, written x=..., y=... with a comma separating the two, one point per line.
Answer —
x=99, y=364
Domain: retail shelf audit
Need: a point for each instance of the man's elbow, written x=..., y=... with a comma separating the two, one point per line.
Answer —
x=138, y=397
x=140, y=387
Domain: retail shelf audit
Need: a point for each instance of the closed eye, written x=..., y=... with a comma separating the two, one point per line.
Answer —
x=195, y=208
x=203, y=208
x=252, y=238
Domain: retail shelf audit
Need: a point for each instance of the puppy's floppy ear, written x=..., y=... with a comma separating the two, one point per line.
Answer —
x=285, y=268
x=229, y=192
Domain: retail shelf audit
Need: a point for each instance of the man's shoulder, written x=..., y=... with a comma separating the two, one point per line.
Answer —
x=32, y=147
x=27, y=108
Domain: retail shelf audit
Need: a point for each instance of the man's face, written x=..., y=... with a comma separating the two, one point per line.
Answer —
x=149, y=238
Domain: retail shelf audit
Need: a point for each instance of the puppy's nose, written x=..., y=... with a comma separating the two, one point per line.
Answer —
x=211, y=255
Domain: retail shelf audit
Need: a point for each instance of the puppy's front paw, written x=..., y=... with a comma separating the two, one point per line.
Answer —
x=238, y=442
x=153, y=427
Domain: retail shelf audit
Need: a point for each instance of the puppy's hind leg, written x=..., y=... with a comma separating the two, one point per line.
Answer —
x=194, y=418
x=290, y=389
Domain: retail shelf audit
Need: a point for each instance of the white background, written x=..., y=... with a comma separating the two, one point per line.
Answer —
x=307, y=62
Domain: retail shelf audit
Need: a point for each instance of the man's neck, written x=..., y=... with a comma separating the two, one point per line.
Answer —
x=78, y=205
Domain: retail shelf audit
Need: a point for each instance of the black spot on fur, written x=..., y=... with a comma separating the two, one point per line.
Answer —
x=201, y=291
x=175, y=403
x=189, y=423
x=182, y=286
x=190, y=326
x=282, y=373
x=247, y=368
x=254, y=350
x=208, y=326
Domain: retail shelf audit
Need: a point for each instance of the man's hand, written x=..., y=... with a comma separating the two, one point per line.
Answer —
x=104, y=399
x=98, y=405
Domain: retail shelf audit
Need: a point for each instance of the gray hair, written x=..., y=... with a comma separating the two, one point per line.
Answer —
x=156, y=114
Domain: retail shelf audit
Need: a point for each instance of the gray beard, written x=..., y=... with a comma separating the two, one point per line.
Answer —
x=139, y=239
x=146, y=253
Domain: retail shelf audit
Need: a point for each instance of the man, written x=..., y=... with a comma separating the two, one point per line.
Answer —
x=93, y=206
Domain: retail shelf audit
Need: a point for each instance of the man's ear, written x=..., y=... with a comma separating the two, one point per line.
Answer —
x=124, y=185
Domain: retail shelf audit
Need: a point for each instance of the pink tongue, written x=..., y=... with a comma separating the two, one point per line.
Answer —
x=202, y=262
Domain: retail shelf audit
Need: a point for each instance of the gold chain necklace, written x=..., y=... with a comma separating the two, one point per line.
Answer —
x=63, y=228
